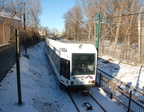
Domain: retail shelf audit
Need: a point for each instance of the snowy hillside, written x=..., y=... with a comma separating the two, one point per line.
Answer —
x=40, y=89
x=131, y=75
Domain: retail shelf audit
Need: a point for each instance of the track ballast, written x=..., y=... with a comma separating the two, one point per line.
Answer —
x=85, y=103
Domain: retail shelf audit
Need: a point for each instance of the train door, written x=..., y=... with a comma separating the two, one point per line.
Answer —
x=65, y=70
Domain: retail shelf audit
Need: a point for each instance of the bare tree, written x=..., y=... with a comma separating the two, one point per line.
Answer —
x=131, y=8
x=69, y=24
x=34, y=10
x=139, y=38
x=90, y=9
x=119, y=21
x=71, y=21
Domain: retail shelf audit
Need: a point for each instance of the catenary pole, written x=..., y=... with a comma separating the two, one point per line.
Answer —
x=97, y=35
x=97, y=30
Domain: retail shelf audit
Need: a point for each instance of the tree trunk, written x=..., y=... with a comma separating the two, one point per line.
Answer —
x=142, y=36
x=118, y=28
x=139, y=38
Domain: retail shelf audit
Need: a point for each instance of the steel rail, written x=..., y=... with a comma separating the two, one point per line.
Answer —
x=72, y=100
x=98, y=103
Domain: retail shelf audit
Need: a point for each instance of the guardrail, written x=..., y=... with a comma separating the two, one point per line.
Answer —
x=120, y=91
x=7, y=59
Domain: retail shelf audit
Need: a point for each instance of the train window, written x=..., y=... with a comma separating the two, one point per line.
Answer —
x=84, y=57
x=83, y=64
x=65, y=68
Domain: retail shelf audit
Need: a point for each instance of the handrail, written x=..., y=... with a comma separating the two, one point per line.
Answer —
x=122, y=82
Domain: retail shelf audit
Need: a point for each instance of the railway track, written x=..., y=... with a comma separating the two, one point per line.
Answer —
x=85, y=103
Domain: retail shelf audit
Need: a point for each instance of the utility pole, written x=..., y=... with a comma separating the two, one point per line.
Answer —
x=24, y=24
x=97, y=30
x=24, y=20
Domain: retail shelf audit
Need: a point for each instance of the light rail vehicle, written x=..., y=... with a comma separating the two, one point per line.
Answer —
x=74, y=63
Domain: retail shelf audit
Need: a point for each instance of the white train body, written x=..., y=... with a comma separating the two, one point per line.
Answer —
x=73, y=63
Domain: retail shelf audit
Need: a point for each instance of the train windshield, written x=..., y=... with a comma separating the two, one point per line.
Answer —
x=83, y=64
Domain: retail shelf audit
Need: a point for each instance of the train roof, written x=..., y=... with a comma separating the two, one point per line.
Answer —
x=67, y=41
x=68, y=47
x=63, y=40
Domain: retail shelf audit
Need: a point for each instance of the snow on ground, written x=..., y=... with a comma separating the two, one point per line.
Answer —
x=40, y=89
x=131, y=75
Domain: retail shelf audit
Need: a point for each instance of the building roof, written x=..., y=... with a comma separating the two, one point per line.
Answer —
x=6, y=13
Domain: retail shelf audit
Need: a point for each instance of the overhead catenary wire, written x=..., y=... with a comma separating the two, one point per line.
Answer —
x=93, y=20
x=132, y=14
x=124, y=15
x=83, y=27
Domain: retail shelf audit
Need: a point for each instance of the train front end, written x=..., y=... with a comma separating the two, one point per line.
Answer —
x=83, y=67
x=83, y=70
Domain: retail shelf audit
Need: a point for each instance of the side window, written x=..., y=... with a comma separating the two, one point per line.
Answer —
x=65, y=68
x=62, y=69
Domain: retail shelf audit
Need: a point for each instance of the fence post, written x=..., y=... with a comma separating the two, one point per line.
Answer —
x=18, y=67
x=129, y=104
x=111, y=95
x=100, y=80
x=111, y=89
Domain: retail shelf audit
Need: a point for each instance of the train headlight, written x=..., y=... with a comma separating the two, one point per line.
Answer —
x=73, y=82
x=92, y=81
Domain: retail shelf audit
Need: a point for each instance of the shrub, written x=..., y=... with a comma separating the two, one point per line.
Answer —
x=30, y=37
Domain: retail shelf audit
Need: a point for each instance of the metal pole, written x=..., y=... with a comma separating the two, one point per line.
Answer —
x=25, y=38
x=129, y=104
x=100, y=79
x=24, y=23
x=97, y=30
x=18, y=68
x=97, y=39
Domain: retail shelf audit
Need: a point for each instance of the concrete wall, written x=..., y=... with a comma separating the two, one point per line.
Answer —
x=7, y=59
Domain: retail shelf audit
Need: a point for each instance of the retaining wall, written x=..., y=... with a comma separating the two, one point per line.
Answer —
x=7, y=59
